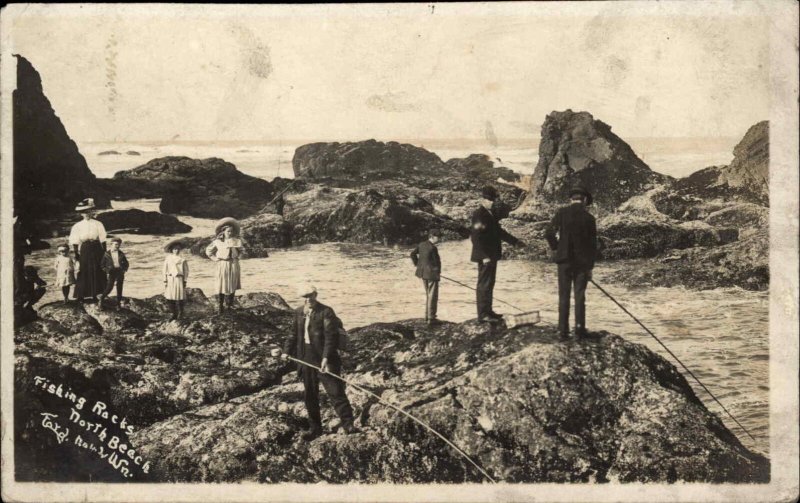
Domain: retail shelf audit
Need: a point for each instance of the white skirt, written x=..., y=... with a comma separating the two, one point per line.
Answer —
x=228, y=277
x=175, y=289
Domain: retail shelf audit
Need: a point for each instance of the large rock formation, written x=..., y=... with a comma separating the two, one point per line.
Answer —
x=745, y=179
x=358, y=164
x=136, y=221
x=205, y=188
x=575, y=148
x=206, y=402
x=50, y=174
x=325, y=214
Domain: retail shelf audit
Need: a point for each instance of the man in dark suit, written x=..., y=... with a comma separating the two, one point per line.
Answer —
x=487, y=235
x=314, y=339
x=575, y=251
x=429, y=267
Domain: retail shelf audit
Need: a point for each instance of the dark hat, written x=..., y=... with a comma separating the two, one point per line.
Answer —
x=489, y=193
x=579, y=189
x=85, y=205
x=179, y=242
x=227, y=222
x=115, y=240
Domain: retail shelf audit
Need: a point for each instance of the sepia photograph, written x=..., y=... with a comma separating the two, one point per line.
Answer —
x=512, y=251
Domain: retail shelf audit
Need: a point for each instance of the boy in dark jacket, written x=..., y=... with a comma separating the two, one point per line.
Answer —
x=115, y=265
x=575, y=252
x=429, y=268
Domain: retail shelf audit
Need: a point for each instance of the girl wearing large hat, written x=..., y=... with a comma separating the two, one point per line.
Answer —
x=87, y=239
x=176, y=274
x=226, y=250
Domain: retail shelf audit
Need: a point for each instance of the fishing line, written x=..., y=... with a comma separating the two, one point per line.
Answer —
x=400, y=410
x=673, y=355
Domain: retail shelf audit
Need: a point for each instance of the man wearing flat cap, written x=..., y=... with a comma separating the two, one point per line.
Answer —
x=314, y=339
x=575, y=251
x=487, y=235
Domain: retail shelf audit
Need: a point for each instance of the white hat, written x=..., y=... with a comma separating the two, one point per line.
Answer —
x=85, y=205
x=306, y=290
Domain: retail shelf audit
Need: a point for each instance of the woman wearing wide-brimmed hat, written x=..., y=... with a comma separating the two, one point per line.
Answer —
x=87, y=238
x=176, y=274
x=226, y=250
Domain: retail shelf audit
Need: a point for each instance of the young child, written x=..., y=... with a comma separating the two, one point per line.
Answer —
x=226, y=250
x=115, y=265
x=65, y=270
x=429, y=268
x=176, y=273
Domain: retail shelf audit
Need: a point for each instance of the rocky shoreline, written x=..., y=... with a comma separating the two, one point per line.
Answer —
x=206, y=402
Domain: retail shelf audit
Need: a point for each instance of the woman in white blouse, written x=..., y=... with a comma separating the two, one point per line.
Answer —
x=226, y=250
x=87, y=239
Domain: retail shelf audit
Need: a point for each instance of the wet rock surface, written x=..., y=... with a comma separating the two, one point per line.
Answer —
x=208, y=403
x=204, y=188
x=135, y=221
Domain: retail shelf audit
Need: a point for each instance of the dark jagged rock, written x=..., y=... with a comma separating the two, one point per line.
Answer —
x=328, y=214
x=577, y=149
x=132, y=152
x=743, y=264
x=142, y=222
x=362, y=162
x=205, y=188
x=359, y=164
x=745, y=179
x=523, y=406
x=109, y=152
x=50, y=174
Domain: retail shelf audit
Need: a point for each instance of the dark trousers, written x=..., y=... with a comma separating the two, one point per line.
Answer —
x=431, y=298
x=484, y=291
x=569, y=274
x=115, y=276
x=34, y=296
x=333, y=387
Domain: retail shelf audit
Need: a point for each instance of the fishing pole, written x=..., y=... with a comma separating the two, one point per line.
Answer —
x=673, y=355
x=277, y=352
x=289, y=186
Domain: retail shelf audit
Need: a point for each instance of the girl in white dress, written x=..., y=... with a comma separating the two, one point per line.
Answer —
x=176, y=274
x=65, y=270
x=226, y=250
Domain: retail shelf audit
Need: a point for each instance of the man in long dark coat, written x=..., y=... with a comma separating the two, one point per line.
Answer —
x=487, y=236
x=575, y=251
x=314, y=339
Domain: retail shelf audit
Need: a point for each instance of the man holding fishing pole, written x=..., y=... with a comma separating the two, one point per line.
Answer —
x=575, y=251
x=314, y=339
x=487, y=235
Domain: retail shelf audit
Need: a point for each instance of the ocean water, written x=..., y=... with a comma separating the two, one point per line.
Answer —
x=672, y=156
x=722, y=335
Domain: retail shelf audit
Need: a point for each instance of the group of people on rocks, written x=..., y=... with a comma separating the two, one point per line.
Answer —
x=95, y=267
x=571, y=235
x=314, y=338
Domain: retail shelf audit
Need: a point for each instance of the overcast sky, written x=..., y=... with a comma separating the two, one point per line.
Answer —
x=424, y=74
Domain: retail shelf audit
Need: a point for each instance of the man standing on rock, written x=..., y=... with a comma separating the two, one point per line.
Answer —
x=575, y=251
x=314, y=339
x=487, y=235
x=429, y=268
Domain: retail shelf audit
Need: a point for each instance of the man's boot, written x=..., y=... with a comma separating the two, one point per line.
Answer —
x=313, y=432
x=349, y=428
